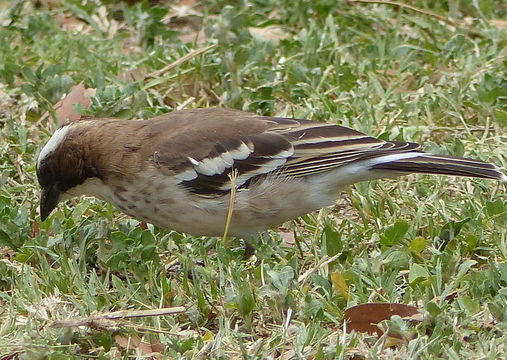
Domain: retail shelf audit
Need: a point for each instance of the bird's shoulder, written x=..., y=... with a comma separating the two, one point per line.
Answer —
x=201, y=147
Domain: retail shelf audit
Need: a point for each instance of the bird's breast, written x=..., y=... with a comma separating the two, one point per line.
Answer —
x=164, y=202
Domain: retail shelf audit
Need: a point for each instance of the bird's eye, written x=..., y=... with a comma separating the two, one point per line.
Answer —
x=45, y=174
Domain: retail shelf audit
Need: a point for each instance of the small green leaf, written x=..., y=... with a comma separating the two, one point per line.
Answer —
x=433, y=309
x=496, y=207
x=395, y=233
x=464, y=267
x=497, y=310
x=417, y=274
x=501, y=117
x=29, y=74
x=5, y=239
x=332, y=239
x=130, y=89
x=245, y=301
x=471, y=306
x=340, y=284
x=449, y=231
x=418, y=244
x=281, y=279
x=322, y=282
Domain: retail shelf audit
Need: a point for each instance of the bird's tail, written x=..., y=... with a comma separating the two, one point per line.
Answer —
x=439, y=164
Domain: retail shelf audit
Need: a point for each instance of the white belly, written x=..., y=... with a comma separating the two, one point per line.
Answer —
x=255, y=209
x=267, y=203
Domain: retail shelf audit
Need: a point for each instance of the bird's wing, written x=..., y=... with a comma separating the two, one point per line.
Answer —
x=320, y=147
x=255, y=146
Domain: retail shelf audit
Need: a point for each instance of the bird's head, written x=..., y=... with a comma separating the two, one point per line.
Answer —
x=61, y=168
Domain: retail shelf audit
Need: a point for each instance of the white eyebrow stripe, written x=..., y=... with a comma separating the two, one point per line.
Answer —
x=56, y=140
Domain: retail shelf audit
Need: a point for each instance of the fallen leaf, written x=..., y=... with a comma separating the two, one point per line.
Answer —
x=501, y=24
x=70, y=23
x=7, y=252
x=132, y=75
x=289, y=238
x=451, y=296
x=157, y=346
x=186, y=18
x=135, y=343
x=64, y=110
x=287, y=355
x=189, y=3
x=188, y=36
x=269, y=33
x=50, y=4
x=108, y=318
x=365, y=317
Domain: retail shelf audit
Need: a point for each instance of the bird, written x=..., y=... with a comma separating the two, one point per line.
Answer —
x=179, y=170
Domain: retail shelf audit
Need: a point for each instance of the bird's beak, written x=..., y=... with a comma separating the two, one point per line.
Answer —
x=48, y=200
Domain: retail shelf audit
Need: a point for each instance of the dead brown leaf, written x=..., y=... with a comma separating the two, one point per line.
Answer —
x=135, y=343
x=132, y=75
x=35, y=229
x=107, y=319
x=186, y=17
x=289, y=238
x=50, y=4
x=272, y=33
x=188, y=36
x=70, y=23
x=64, y=110
x=188, y=3
x=7, y=252
x=500, y=24
x=365, y=317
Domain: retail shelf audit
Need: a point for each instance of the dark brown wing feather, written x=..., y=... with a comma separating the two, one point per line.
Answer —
x=205, y=145
x=255, y=146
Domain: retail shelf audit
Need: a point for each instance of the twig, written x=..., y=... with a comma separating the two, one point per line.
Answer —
x=406, y=6
x=94, y=320
x=127, y=314
x=233, y=176
x=419, y=10
x=180, y=61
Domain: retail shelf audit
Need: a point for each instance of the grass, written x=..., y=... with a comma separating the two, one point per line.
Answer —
x=437, y=243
